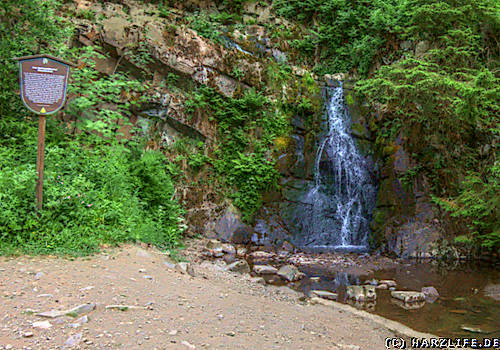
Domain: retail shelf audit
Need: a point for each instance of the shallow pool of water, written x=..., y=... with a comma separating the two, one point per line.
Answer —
x=462, y=302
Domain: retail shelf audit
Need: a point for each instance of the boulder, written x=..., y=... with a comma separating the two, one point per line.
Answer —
x=290, y=273
x=408, y=297
x=229, y=249
x=230, y=228
x=361, y=293
x=265, y=270
x=240, y=266
x=388, y=283
x=323, y=294
x=431, y=294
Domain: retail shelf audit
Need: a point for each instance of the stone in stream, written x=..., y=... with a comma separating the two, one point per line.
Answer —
x=315, y=279
x=389, y=283
x=323, y=294
x=372, y=282
x=361, y=293
x=265, y=270
x=381, y=286
x=431, y=294
x=408, y=297
x=240, y=266
x=290, y=273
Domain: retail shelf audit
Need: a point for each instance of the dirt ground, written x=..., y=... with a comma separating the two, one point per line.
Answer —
x=214, y=309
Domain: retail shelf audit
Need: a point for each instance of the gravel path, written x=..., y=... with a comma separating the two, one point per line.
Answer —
x=212, y=310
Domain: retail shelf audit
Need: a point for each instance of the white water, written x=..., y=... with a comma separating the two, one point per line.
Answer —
x=344, y=191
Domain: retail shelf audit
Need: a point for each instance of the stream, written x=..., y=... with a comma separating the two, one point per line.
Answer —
x=463, y=302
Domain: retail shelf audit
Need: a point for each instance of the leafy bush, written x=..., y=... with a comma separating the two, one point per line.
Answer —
x=92, y=195
x=96, y=190
x=445, y=103
x=243, y=162
x=347, y=34
x=479, y=204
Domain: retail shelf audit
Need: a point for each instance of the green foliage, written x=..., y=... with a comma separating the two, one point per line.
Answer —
x=479, y=204
x=92, y=195
x=205, y=26
x=27, y=27
x=345, y=34
x=445, y=103
x=243, y=162
x=103, y=102
x=95, y=190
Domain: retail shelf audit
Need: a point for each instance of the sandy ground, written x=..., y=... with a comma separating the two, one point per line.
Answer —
x=212, y=310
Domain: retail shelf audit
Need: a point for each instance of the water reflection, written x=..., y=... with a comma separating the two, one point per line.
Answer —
x=466, y=298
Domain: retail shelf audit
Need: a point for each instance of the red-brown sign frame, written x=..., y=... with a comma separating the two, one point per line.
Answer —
x=43, y=80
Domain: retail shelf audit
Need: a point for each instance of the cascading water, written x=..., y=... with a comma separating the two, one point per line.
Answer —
x=344, y=192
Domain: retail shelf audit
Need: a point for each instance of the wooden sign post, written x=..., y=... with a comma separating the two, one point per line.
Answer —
x=43, y=80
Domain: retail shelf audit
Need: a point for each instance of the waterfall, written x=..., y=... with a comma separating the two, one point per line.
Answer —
x=344, y=191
